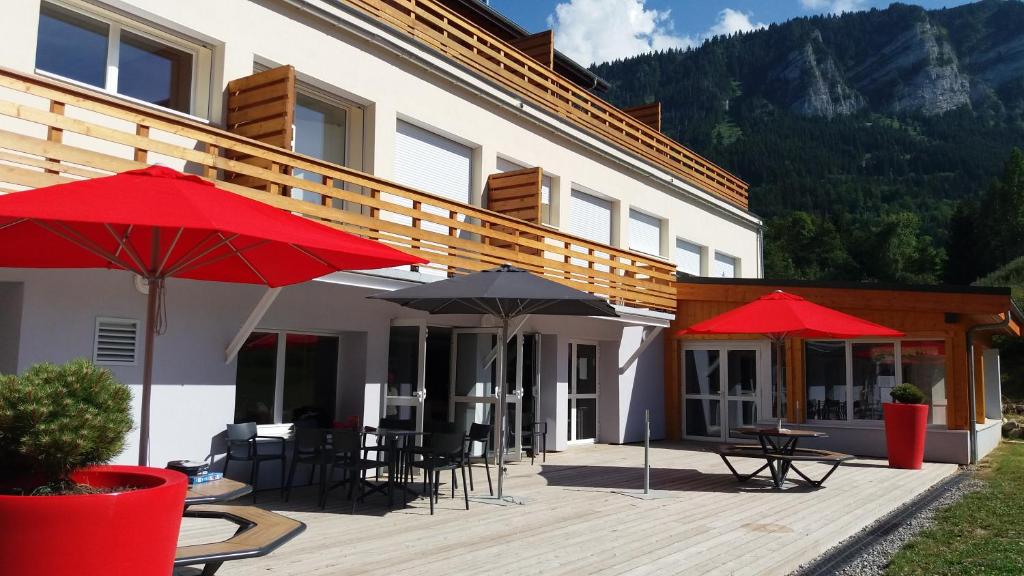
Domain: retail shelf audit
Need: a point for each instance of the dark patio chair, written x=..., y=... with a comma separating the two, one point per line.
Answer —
x=244, y=446
x=309, y=447
x=479, y=434
x=447, y=452
x=347, y=447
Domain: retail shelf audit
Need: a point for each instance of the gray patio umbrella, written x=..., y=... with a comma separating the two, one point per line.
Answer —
x=504, y=292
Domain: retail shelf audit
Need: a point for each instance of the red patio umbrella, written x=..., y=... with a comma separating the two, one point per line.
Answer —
x=160, y=223
x=779, y=315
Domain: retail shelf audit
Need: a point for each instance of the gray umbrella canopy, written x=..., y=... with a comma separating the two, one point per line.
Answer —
x=504, y=292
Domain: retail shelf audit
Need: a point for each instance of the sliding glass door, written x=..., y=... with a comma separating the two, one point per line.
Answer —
x=725, y=386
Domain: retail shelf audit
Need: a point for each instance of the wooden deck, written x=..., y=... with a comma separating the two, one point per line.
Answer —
x=578, y=519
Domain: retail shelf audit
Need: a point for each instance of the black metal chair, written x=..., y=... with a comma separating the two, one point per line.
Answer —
x=479, y=434
x=447, y=452
x=539, y=437
x=309, y=447
x=244, y=446
x=347, y=447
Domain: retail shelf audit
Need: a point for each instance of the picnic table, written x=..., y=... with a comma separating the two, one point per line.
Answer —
x=259, y=532
x=777, y=446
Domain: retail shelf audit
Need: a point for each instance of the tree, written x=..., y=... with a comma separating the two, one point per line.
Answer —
x=1002, y=215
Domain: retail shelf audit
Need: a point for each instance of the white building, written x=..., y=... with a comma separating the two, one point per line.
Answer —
x=390, y=120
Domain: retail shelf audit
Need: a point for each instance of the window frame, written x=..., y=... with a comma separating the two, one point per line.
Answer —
x=848, y=385
x=736, y=270
x=279, y=367
x=199, y=105
x=662, y=230
x=702, y=254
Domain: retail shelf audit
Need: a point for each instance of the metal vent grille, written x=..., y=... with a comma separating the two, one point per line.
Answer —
x=116, y=342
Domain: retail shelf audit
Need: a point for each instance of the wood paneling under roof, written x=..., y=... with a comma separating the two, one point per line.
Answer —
x=539, y=46
x=516, y=194
x=649, y=114
x=262, y=107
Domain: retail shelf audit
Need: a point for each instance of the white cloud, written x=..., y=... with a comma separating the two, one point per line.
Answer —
x=591, y=31
x=732, y=21
x=834, y=6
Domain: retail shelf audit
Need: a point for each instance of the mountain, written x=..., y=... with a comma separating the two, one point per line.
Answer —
x=853, y=118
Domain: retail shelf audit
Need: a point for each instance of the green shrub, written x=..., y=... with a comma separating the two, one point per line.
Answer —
x=57, y=419
x=907, y=394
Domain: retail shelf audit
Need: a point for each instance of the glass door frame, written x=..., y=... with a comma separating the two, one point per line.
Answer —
x=514, y=397
x=762, y=397
x=573, y=396
x=418, y=397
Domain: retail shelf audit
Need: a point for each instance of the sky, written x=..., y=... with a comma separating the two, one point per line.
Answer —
x=601, y=30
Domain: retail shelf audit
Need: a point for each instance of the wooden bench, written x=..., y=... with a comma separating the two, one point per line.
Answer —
x=260, y=532
x=779, y=464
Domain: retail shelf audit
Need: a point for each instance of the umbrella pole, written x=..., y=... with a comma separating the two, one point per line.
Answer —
x=502, y=405
x=147, y=372
x=779, y=375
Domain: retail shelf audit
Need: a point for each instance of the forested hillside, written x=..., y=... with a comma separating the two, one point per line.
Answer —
x=869, y=139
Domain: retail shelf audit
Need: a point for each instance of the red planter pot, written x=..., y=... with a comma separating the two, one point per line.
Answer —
x=123, y=533
x=905, y=428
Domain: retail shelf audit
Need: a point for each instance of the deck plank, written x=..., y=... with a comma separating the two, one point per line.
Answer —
x=577, y=519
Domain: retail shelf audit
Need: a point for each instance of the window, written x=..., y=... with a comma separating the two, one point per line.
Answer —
x=851, y=380
x=689, y=257
x=305, y=386
x=644, y=233
x=726, y=266
x=590, y=217
x=121, y=57
x=320, y=131
x=924, y=366
x=504, y=165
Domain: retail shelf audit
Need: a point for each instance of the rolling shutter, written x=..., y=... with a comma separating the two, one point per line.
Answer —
x=261, y=107
x=433, y=163
x=725, y=266
x=688, y=257
x=590, y=217
x=644, y=233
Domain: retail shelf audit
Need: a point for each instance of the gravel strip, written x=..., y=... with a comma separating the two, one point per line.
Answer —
x=873, y=559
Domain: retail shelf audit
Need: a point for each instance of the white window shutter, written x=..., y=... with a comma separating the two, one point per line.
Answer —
x=644, y=233
x=725, y=265
x=433, y=163
x=688, y=257
x=590, y=217
x=116, y=342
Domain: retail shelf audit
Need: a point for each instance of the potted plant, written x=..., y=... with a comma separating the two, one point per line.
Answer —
x=61, y=510
x=906, y=423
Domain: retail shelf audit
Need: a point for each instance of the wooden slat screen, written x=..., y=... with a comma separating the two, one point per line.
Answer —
x=41, y=145
x=516, y=194
x=261, y=107
x=539, y=46
x=649, y=114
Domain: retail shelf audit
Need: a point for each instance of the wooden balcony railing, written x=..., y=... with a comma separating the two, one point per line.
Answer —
x=452, y=35
x=51, y=132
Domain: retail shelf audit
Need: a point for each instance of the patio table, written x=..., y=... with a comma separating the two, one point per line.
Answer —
x=398, y=448
x=778, y=447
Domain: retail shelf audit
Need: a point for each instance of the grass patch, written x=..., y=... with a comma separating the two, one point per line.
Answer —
x=982, y=534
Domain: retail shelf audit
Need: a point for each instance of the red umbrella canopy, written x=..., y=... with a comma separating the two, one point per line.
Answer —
x=780, y=314
x=161, y=223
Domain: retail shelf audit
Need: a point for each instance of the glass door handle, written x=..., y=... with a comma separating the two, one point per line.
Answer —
x=421, y=395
